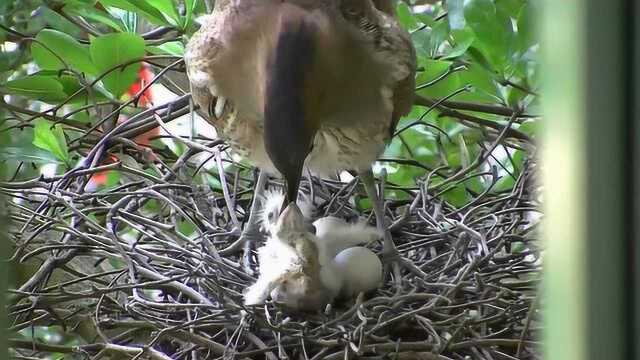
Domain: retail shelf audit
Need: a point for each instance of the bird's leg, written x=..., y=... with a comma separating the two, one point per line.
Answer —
x=390, y=252
x=251, y=231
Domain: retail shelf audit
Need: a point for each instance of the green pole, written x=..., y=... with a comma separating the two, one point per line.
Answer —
x=587, y=194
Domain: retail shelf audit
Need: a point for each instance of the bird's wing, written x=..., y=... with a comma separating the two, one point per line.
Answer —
x=404, y=73
x=334, y=235
x=202, y=51
x=393, y=43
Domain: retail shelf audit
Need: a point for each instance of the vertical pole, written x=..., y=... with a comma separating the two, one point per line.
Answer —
x=606, y=114
x=586, y=161
x=633, y=217
x=564, y=172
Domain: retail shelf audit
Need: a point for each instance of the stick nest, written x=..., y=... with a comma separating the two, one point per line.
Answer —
x=152, y=269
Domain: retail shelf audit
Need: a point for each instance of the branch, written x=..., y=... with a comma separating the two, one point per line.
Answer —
x=445, y=110
x=463, y=105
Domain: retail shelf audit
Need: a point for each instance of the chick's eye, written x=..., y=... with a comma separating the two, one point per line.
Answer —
x=271, y=216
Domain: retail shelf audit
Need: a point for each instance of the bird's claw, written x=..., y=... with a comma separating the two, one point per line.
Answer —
x=220, y=105
x=217, y=106
x=391, y=257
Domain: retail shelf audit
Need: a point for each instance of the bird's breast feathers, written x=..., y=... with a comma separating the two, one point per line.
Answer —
x=354, y=79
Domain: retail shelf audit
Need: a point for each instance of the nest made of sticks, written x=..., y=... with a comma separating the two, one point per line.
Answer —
x=117, y=269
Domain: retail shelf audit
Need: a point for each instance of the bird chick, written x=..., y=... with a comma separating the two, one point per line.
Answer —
x=345, y=268
x=272, y=203
x=289, y=268
x=334, y=235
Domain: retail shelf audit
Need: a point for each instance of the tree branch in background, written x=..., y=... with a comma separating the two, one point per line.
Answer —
x=446, y=108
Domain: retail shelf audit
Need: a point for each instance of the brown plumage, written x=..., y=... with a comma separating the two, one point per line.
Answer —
x=320, y=83
x=356, y=87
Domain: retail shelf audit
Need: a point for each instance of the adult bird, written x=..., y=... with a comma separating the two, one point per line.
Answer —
x=294, y=83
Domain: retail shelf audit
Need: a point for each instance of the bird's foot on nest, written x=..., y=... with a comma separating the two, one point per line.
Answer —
x=248, y=238
x=394, y=262
x=251, y=233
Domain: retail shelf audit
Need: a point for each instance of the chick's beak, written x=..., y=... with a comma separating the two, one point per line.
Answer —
x=291, y=219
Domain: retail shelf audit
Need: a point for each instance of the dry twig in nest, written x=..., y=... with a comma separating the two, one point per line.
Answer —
x=116, y=267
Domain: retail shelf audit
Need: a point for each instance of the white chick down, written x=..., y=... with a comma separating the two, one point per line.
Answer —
x=289, y=268
x=360, y=268
x=334, y=235
x=272, y=202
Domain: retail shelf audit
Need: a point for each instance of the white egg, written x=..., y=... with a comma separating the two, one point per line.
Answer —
x=360, y=268
x=335, y=234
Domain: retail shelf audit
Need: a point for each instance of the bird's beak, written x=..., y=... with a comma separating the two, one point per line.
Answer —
x=291, y=219
x=289, y=126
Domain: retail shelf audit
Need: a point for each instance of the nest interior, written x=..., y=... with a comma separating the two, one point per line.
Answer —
x=116, y=269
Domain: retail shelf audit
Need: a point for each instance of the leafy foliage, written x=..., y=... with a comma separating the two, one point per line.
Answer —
x=55, y=50
x=51, y=138
x=109, y=52
x=475, y=51
x=67, y=68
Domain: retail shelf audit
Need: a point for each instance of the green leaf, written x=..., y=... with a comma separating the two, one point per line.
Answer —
x=213, y=182
x=177, y=147
x=58, y=22
x=186, y=228
x=421, y=41
x=465, y=158
x=527, y=26
x=172, y=48
x=405, y=17
x=439, y=34
x=151, y=207
x=9, y=59
x=457, y=196
x=484, y=87
x=113, y=178
x=530, y=127
x=138, y=6
x=462, y=40
x=190, y=6
x=505, y=183
x=425, y=19
x=111, y=50
x=78, y=8
x=434, y=69
x=514, y=96
x=44, y=88
x=510, y=8
x=61, y=46
x=166, y=7
x=70, y=86
x=363, y=203
x=51, y=139
x=493, y=31
x=455, y=14
x=128, y=19
x=476, y=184
x=30, y=154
